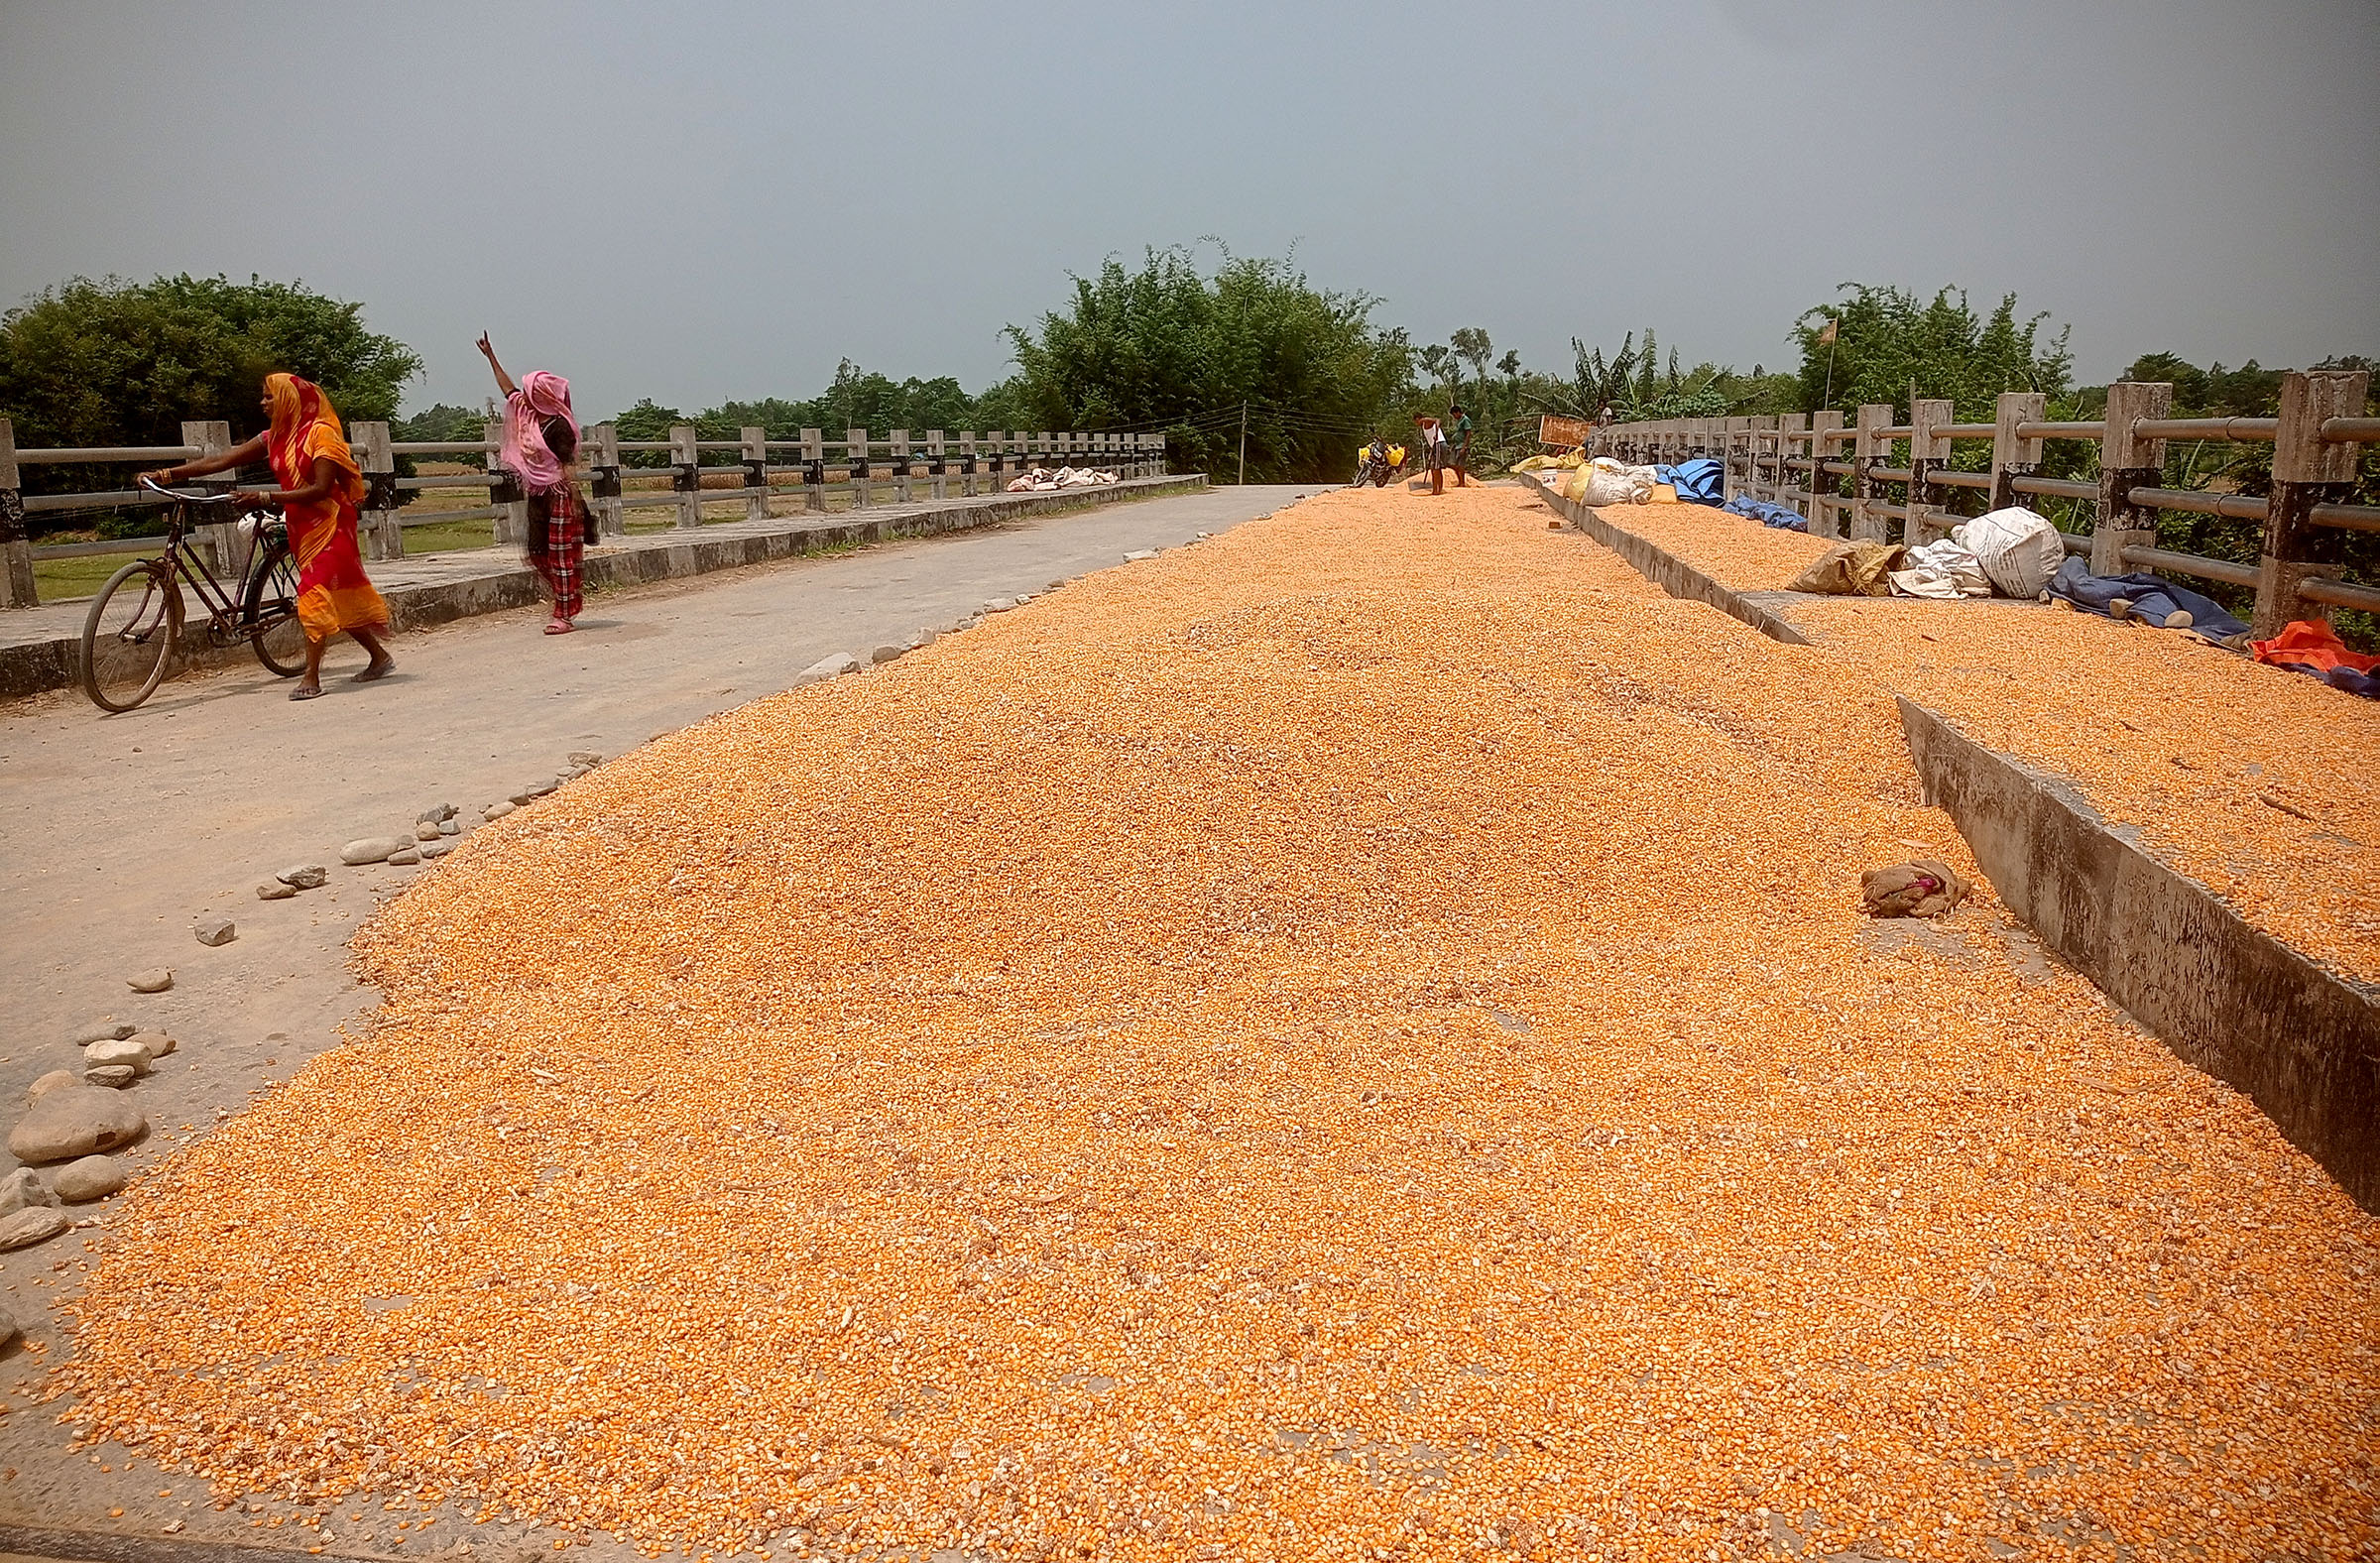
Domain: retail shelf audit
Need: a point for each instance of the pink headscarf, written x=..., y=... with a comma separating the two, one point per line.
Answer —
x=542, y=396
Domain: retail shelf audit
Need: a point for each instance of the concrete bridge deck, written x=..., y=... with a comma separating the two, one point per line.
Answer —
x=1355, y=1034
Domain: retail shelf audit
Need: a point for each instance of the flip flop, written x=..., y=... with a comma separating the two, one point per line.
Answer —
x=560, y=627
x=373, y=675
x=302, y=693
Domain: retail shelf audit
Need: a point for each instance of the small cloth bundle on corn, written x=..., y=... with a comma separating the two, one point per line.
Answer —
x=1853, y=569
x=1923, y=889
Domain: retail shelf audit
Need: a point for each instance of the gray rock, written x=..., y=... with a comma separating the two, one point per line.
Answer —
x=65, y=1125
x=585, y=758
x=306, y=875
x=24, y=1189
x=884, y=654
x=370, y=849
x=450, y=827
x=158, y=1043
x=274, y=890
x=1054, y=585
x=532, y=793
x=432, y=851
x=108, y=1028
x=924, y=638
x=9, y=1330
x=114, y=1077
x=825, y=668
x=55, y=1080
x=131, y=1052
x=156, y=981
x=28, y=1227
x=216, y=931
x=496, y=811
x=406, y=857
x=1138, y=554
x=999, y=605
x=91, y=1177
x=436, y=816
x=428, y=830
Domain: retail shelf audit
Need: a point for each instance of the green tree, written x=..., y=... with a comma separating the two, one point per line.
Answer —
x=122, y=363
x=1888, y=339
x=1166, y=347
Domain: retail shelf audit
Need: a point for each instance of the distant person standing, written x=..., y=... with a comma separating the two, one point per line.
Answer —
x=1458, y=441
x=541, y=441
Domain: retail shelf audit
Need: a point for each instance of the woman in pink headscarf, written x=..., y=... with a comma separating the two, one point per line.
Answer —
x=541, y=441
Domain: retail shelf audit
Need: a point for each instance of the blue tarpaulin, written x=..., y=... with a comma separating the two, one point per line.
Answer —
x=1702, y=481
x=1768, y=515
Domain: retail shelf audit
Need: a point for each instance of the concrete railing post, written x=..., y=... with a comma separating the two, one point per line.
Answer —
x=602, y=444
x=2126, y=463
x=2308, y=470
x=383, y=530
x=855, y=451
x=1927, y=450
x=213, y=439
x=1868, y=525
x=938, y=465
x=686, y=456
x=813, y=471
x=1825, y=489
x=1793, y=432
x=899, y=438
x=2012, y=455
x=504, y=487
x=756, y=472
x=15, y=547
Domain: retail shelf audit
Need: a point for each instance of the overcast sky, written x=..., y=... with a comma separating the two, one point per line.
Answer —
x=699, y=201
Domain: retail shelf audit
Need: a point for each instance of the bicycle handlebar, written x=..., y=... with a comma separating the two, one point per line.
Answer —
x=195, y=498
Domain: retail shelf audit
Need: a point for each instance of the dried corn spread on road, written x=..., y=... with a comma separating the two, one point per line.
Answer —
x=1350, y=1041
x=2258, y=782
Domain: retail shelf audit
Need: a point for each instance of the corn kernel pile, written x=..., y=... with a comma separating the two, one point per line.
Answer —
x=1353, y=1040
x=2256, y=781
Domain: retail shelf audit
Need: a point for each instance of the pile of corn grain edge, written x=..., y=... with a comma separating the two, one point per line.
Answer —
x=2256, y=781
x=1351, y=1040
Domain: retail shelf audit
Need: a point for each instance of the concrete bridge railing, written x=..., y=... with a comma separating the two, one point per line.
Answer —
x=1900, y=480
x=867, y=466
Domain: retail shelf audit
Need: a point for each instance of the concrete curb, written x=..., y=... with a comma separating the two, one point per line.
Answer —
x=1671, y=574
x=30, y=667
x=2303, y=1041
x=2234, y=1001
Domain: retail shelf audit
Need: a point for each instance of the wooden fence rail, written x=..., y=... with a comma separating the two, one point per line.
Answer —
x=1898, y=479
x=974, y=463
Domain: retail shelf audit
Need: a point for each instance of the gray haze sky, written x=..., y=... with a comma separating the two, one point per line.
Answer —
x=701, y=202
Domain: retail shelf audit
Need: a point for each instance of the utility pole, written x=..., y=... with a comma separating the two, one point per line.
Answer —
x=1244, y=444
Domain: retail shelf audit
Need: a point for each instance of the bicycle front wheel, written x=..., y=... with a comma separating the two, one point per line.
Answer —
x=129, y=635
x=270, y=615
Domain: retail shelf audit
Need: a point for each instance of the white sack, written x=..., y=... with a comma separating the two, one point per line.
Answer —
x=2019, y=550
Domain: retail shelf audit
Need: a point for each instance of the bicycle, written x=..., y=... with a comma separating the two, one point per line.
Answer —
x=136, y=622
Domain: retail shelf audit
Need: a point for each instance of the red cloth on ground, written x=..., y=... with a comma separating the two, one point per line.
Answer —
x=2314, y=645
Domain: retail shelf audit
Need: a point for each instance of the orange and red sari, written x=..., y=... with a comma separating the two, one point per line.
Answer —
x=333, y=593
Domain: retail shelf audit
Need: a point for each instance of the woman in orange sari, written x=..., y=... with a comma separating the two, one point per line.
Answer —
x=320, y=487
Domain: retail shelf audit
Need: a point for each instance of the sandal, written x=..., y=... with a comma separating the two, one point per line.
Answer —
x=301, y=692
x=560, y=627
x=375, y=672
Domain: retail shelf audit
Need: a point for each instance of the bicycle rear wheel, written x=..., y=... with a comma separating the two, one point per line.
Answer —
x=270, y=614
x=129, y=635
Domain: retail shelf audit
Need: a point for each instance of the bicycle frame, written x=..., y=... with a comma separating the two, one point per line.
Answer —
x=223, y=602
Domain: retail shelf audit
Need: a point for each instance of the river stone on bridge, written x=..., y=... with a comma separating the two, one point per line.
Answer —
x=28, y=1227
x=89, y=1177
x=66, y=1125
x=24, y=1189
x=372, y=849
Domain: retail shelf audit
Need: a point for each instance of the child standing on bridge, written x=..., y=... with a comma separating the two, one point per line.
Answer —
x=540, y=439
